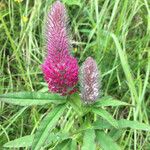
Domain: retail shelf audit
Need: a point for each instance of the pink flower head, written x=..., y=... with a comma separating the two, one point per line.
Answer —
x=60, y=69
x=90, y=81
x=62, y=76
x=57, y=32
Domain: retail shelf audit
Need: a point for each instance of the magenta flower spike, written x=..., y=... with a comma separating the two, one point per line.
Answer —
x=60, y=69
x=58, y=44
x=90, y=81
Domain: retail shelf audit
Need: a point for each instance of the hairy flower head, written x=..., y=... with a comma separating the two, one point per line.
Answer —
x=57, y=31
x=60, y=69
x=62, y=76
x=90, y=81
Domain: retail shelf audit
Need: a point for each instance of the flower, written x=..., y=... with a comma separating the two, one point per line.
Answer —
x=57, y=31
x=75, y=49
x=90, y=81
x=61, y=76
x=24, y=19
x=19, y=1
x=60, y=69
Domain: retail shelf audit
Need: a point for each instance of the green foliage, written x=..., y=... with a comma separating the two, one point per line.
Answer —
x=31, y=98
x=106, y=142
x=133, y=125
x=25, y=141
x=89, y=140
x=65, y=145
x=116, y=33
x=44, y=137
x=109, y=101
x=104, y=114
x=122, y=124
x=72, y=2
x=73, y=145
x=46, y=126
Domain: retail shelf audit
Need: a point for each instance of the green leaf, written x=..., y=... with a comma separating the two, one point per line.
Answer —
x=67, y=145
x=89, y=140
x=72, y=2
x=104, y=114
x=106, y=142
x=75, y=103
x=48, y=123
x=133, y=125
x=73, y=145
x=31, y=98
x=102, y=124
x=64, y=145
x=25, y=141
x=109, y=101
x=115, y=134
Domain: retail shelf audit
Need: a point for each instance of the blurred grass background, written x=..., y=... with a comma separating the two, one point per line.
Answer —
x=114, y=32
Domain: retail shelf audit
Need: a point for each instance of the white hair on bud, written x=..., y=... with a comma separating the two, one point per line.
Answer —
x=89, y=81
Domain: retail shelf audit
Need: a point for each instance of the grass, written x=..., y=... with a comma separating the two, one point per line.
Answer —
x=114, y=32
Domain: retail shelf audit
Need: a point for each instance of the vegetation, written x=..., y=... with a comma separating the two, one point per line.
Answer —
x=116, y=34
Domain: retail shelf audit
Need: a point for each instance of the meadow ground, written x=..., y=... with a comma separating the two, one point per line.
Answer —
x=116, y=33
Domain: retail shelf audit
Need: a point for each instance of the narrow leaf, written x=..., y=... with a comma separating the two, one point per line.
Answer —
x=133, y=125
x=89, y=140
x=64, y=145
x=25, y=141
x=75, y=103
x=106, y=142
x=115, y=134
x=109, y=101
x=102, y=124
x=73, y=145
x=31, y=98
x=107, y=116
x=46, y=126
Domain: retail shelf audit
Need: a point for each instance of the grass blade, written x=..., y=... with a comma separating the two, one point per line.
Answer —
x=126, y=68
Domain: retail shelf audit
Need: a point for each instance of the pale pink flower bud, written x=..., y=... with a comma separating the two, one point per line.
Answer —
x=90, y=81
